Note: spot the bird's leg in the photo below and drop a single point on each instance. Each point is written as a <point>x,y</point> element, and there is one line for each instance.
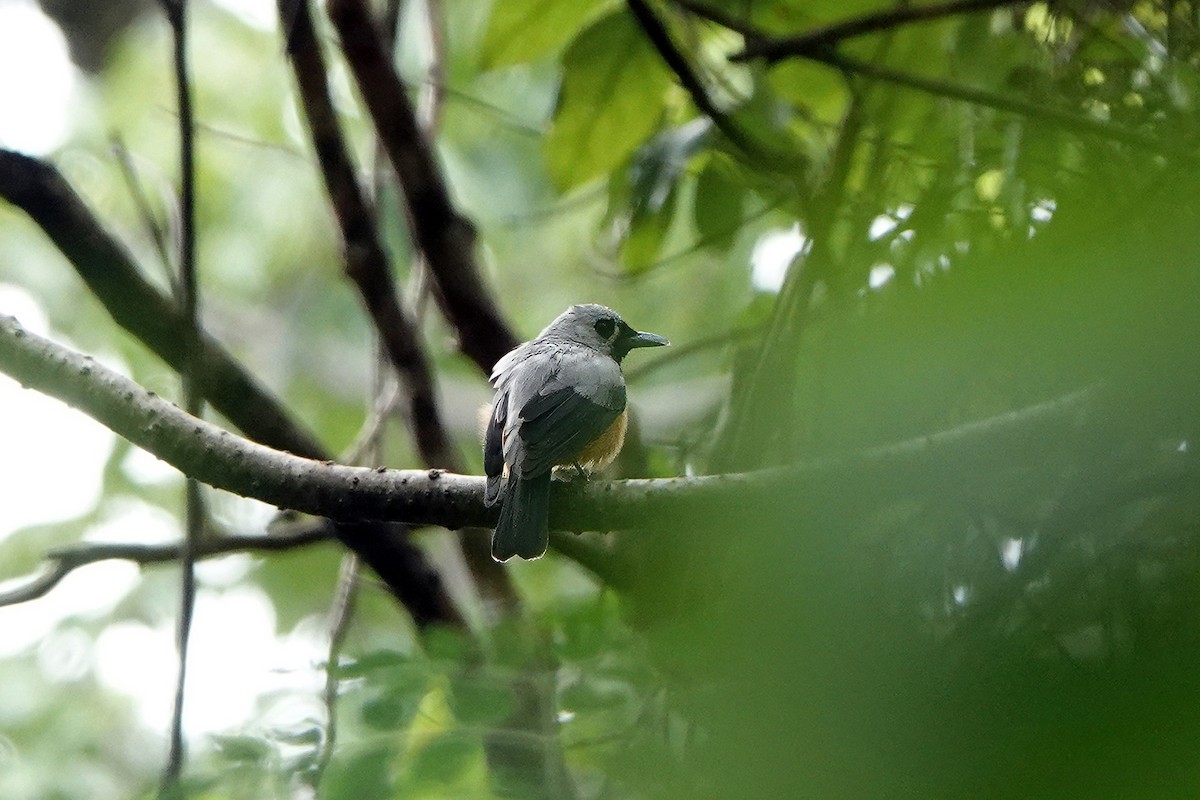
<point>580,474</point>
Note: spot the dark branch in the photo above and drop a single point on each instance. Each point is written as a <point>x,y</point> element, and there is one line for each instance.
<point>445,237</point>
<point>366,264</point>
<point>37,188</point>
<point>810,42</point>
<point>660,37</point>
<point>365,260</point>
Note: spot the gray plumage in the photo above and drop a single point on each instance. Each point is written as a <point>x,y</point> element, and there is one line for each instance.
<point>555,395</point>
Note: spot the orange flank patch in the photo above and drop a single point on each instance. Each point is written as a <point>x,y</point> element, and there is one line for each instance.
<point>601,451</point>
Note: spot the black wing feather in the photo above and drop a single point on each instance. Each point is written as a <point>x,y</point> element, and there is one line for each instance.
<point>556,426</point>
<point>493,450</point>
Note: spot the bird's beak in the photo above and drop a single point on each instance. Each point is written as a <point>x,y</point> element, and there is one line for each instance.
<point>643,339</point>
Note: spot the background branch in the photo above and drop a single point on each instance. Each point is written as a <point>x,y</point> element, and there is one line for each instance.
<point>365,260</point>
<point>660,37</point>
<point>176,12</point>
<point>810,42</point>
<point>68,559</point>
<point>38,189</point>
<point>366,265</point>
<point>445,237</point>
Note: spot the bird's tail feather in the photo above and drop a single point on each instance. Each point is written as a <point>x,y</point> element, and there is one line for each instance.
<point>524,526</point>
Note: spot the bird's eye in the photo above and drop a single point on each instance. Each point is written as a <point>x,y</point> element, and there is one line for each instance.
<point>605,327</point>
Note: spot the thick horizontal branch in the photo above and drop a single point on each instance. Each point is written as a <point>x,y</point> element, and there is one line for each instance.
<point>225,461</point>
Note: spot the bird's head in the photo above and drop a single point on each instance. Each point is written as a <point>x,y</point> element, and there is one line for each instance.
<point>601,329</point>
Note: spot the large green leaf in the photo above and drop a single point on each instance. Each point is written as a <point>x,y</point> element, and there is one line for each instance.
<point>611,100</point>
<point>523,30</point>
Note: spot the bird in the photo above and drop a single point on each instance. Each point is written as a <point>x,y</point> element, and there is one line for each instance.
<point>560,402</point>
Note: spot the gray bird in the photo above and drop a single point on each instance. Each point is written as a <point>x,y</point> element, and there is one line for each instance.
<point>560,402</point>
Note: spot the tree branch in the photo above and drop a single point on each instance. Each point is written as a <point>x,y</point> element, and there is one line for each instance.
<point>365,260</point>
<point>66,560</point>
<point>1001,102</point>
<point>366,265</point>
<point>445,237</point>
<point>660,37</point>
<point>176,12</point>
<point>819,45</point>
<point>811,42</point>
<point>220,459</point>
<point>37,188</point>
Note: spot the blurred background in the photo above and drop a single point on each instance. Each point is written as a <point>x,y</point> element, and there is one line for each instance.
<point>936,269</point>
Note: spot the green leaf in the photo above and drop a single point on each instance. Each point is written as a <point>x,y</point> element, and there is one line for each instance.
<point>244,749</point>
<point>371,662</point>
<point>643,199</point>
<point>366,775</point>
<point>611,100</point>
<point>479,700</point>
<point>386,712</point>
<point>524,30</point>
<point>443,759</point>
<point>720,199</point>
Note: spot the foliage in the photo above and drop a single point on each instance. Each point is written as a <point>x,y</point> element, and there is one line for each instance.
<point>998,211</point>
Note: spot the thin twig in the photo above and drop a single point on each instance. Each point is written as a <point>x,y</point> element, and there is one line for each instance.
<point>806,44</point>
<point>660,37</point>
<point>1001,102</point>
<point>176,13</point>
<point>445,236</point>
<point>154,230</point>
<point>341,614</point>
<point>66,560</point>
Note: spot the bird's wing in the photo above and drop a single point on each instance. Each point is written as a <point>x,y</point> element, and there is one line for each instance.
<point>493,448</point>
<point>555,427</point>
<point>579,393</point>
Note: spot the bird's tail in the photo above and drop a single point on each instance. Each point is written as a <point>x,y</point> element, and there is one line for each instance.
<point>524,526</point>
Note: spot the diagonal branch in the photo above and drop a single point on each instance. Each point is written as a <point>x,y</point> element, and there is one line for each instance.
<point>109,271</point>
<point>660,37</point>
<point>819,45</point>
<point>366,264</point>
<point>38,189</point>
<point>811,42</point>
<point>365,260</point>
<point>445,236</point>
